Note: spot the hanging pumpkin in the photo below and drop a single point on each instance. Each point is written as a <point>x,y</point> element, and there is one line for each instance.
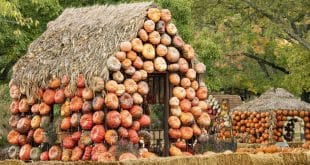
<point>35,121</point>
<point>24,153</point>
<point>68,142</point>
<point>118,77</point>
<point>173,54</point>
<point>138,63</point>
<point>144,120</point>
<point>177,41</point>
<point>190,93</point>
<point>136,111</point>
<point>77,153</point>
<point>131,55</point>
<point>154,38</point>
<point>130,86</point>
<point>76,104</point>
<point>133,136</point>
<point>171,29</point>
<point>137,45</point>
<point>183,65</point>
<point>54,83</point>
<point>148,51</point>
<point>23,125</point>
<point>174,122</point>
<point>122,132</point>
<point>174,133</point>
<point>126,118</point>
<point>98,103</point>
<point>23,105</point>
<point>154,14</point>
<point>49,96</point>
<point>185,105</point>
<point>111,137</point>
<point>165,15</point>
<point>14,107</point>
<point>173,67</point>
<point>143,35</point>
<point>86,121</point>
<point>121,56</point>
<point>75,119</point>
<point>97,133</point>
<point>179,92</point>
<point>202,93</point>
<point>135,125</point>
<point>186,133</point>
<point>191,74</point>
<point>187,118</point>
<point>185,82</point>
<point>160,64</point>
<point>148,66</point>
<point>44,109</point>
<point>127,156</point>
<point>125,46</point>
<point>113,119</point>
<point>12,137</point>
<point>98,117</point>
<point>148,26</point>
<point>65,123</point>
<point>59,96</point>
<point>126,101</point>
<point>111,101</point>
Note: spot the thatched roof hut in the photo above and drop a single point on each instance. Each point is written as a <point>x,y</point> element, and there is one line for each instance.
<point>79,41</point>
<point>274,99</point>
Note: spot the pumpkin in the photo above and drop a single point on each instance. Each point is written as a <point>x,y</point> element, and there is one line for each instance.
<point>99,148</point>
<point>75,119</point>
<point>187,118</point>
<point>97,84</point>
<point>23,125</point>
<point>135,125</point>
<point>85,139</point>
<point>154,14</point>
<point>165,40</point>
<point>161,50</point>
<point>121,56</point>
<point>132,55</point>
<point>185,105</point>
<point>14,120</point>
<point>111,101</point>
<point>171,29</point>
<point>154,38</point>
<point>59,96</point>
<point>174,79</point>
<point>65,109</point>
<point>44,156</point>
<point>111,137</point>
<point>130,71</point>
<point>130,86</point>
<point>165,15</point>
<point>68,93</point>
<point>97,103</point>
<point>185,82</point>
<point>35,108</point>
<point>65,123</point>
<point>125,46</point>
<point>122,132</point>
<point>31,100</point>
<point>174,133</point>
<point>174,122</point>
<point>87,153</point>
<point>24,153</point>
<point>118,76</point>
<point>188,51</point>
<point>137,45</point>
<point>181,145</point>
<point>203,105</point>
<point>87,94</point>
<point>126,101</point>
<point>127,156</point>
<point>30,136</point>
<point>76,136</point>
<point>186,133</point>
<point>120,89</point>
<point>14,107</point>
<point>195,85</point>
<point>174,151</point>
<point>177,41</point>
<point>126,63</point>
<point>143,74</point>
<point>173,54</point>
<point>35,121</point>
<point>126,118</point>
<point>148,26</point>
<point>204,120</point>
<point>113,119</point>
<point>66,154</point>
<point>68,142</point>
<point>200,68</point>
<point>45,121</point>
<point>143,35</point>
<point>13,137</point>
<point>137,76</point>
<point>173,67</point>
<point>76,104</point>
<point>86,121</point>
<point>136,111</point>
<point>179,92</point>
<point>106,157</point>
<point>190,93</point>
<point>148,66</point>
<point>79,92</point>
<point>54,83</point>
<point>133,136</point>
<point>44,109</point>
<point>202,93</point>
<point>174,102</point>
<point>160,64</point>
<point>22,140</point>
<point>23,105</point>
<point>138,63</point>
<point>183,65</point>
<point>148,51</point>
<point>144,120</point>
<point>77,154</point>
<point>191,74</point>
<point>196,111</point>
<point>143,88</point>
<point>49,96</point>
<point>176,111</point>
<point>97,133</point>
<point>98,117</point>
<point>111,86</point>
<point>15,92</point>
<point>160,27</point>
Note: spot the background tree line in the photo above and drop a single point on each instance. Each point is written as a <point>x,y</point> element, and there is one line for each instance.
<point>246,45</point>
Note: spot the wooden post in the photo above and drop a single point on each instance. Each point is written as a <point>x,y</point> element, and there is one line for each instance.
<point>166,115</point>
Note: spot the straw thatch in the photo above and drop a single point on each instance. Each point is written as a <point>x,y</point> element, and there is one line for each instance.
<point>274,99</point>
<point>79,41</point>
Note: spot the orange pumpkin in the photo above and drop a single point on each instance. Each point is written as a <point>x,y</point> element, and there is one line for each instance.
<point>44,156</point>
<point>54,83</point>
<point>127,156</point>
<point>137,76</point>
<point>68,93</point>
<point>65,80</point>
<point>143,74</point>
<point>131,55</point>
<point>174,79</point>
<point>160,64</point>
<point>106,157</point>
<point>177,41</point>
<point>133,136</point>
<point>111,137</point>
<point>190,93</point>
<point>171,29</point>
<point>66,154</point>
<point>14,107</point>
<point>185,105</point>
<point>76,104</point>
<point>138,63</point>
<point>174,151</point>
<point>59,96</point>
<point>183,65</point>
<point>185,82</point>
<point>126,101</point>
<point>23,125</point>
<point>120,89</point>
<point>79,92</point>
<point>98,149</point>
<point>98,117</point>
<point>136,111</point>
<point>87,153</point>
<point>174,133</point>
<point>44,109</point>
<point>144,120</point>
<point>148,66</point>
<point>87,94</point>
<point>176,111</point>
<point>12,137</point>
<point>68,142</point>
<point>191,74</point>
<point>135,125</point>
<point>118,76</point>
<point>179,92</point>
<point>188,51</point>
<point>200,68</point>
<point>15,92</point>
<point>181,145</point>
<point>204,120</point>
<point>187,118</point>
<point>154,38</point>
<point>76,136</point>
<point>173,67</point>
<point>24,153</point>
<point>161,50</point>
<point>143,35</point>
<point>196,111</point>
<point>121,56</point>
<point>65,123</point>
<point>196,130</point>
<point>98,103</point>
<point>85,140</point>
<point>202,93</point>
<point>86,121</point>
<point>126,63</point>
<point>113,119</point>
<point>173,54</point>
<point>14,120</point>
<point>77,154</point>
<point>148,51</point>
<point>130,86</point>
<point>165,15</point>
<point>174,122</point>
<point>137,45</point>
<point>125,46</point>
<point>49,96</point>
<point>65,109</point>
<point>23,105</point>
<point>126,118</point>
<point>111,101</point>
<point>123,133</point>
<point>149,26</point>
<point>154,14</point>
<point>143,88</point>
<point>97,133</point>
<point>195,85</point>
<point>186,133</point>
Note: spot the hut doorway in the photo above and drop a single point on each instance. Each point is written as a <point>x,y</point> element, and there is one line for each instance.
<point>293,130</point>
<point>155,104</point>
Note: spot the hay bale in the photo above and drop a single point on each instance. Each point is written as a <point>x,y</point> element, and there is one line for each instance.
<point>294,158</point>
<point>266,159</point>
<point>12,162</point>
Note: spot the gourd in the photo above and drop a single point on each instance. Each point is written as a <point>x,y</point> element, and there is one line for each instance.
<point>86,121</point>
<point>97,133</point>
<point>113,119</point>
<point>174,122</point>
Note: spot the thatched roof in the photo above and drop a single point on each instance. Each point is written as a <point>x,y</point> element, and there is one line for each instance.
<point>79,41</point>
<point>274,99</point>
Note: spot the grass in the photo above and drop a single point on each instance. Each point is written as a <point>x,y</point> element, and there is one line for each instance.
<point>4,113</point>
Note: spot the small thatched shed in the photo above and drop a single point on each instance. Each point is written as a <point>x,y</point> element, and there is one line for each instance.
<point>276,115</point>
